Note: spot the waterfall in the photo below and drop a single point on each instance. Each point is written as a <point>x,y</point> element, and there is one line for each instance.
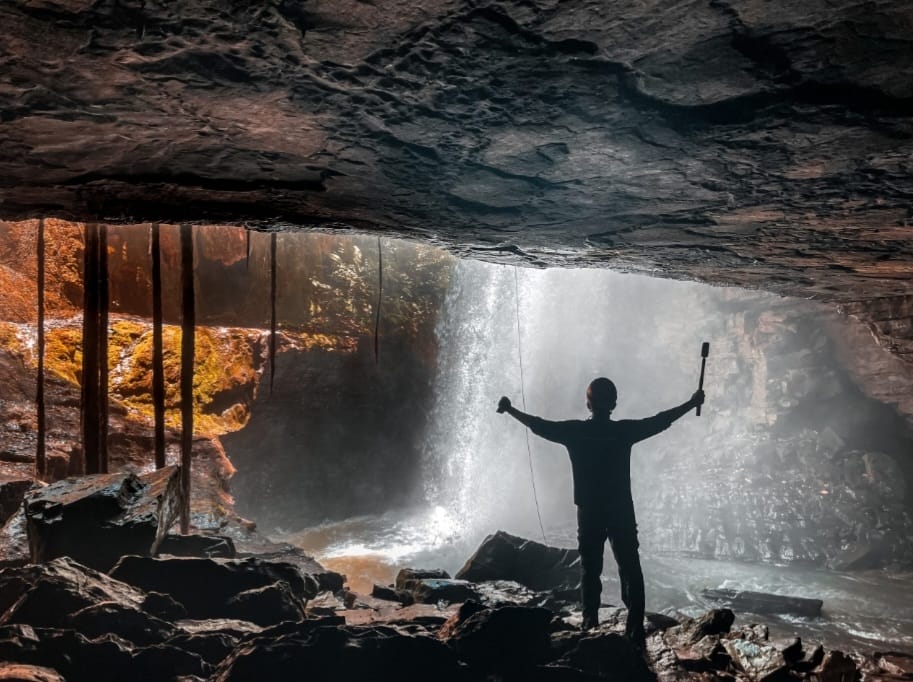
<point>575,325</point>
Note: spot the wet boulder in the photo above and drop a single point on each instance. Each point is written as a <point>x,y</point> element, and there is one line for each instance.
<point>326,652</point>
<point>249,543</point>
<point>76,657</point>
<point>745,601</point>
<point>198,545</point>
<point>609,656</point>
<point>408,577</point>
<point>97,519</point>
<point>539,567</point>
<point>205,587</point>
<point>506,638</point>
<point>389,593</point>
<point>163,606</point>
<point>127,622</point>
<point>432,591</point>
<point>893,665</point>
<point>46,594</point>
<point>760,661</point>
<point>693,630</point>
<point>266,605</point>
<point>836,667</point>
<point>14,541</point>
<point>12,492</point>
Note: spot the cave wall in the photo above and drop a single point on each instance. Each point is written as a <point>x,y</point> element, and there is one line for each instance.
<point>800,464</point>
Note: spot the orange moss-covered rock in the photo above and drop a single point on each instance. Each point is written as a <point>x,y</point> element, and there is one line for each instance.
<point>225,374</point>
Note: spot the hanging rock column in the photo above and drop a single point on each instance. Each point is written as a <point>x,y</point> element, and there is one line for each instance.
<point>188,328</point>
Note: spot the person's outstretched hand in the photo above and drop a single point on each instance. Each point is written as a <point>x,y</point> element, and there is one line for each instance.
<point>698,398</point>
<point>503,404</point>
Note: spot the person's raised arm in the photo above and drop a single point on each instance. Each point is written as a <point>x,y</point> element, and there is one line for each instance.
<point>662,421</point>
<point>553,431</point>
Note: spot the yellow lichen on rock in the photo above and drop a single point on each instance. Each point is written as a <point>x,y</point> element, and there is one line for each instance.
<point>224,375</point>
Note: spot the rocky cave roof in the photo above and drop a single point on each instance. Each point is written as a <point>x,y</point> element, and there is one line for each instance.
<point>763,143</point>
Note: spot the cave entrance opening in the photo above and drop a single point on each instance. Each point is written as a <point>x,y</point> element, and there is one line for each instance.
<point>378,461</point>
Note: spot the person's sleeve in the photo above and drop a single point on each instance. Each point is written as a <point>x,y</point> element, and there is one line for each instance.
<point>557,432</point>
<point>641,429</point>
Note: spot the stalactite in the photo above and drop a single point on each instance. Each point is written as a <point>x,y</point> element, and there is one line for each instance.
<point>89,418</point>
<point>158,357</point>
<point>247,234</point>
<point>188,329</point>
<point>41,449</point>
<point>380,293</point>
<point>272,310</point>
<point>103,348</point>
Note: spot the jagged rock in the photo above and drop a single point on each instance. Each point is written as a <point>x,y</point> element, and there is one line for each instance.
<point>205,586</point>
<point>659,622</point>
<point>14,541</point>
<point>503,638</point>
<point>714,622</point>
<point>97,519</point>
<point>19,672</point>
<point>764,603</point>
<point>322,652</point>
<point>793,653</point>
<point>898,665</point>
<point>466,609</point>
<point>391,594</point>
<point>45,594</point>
<point>760,662</point>
<point>12,492</point>
<point>501,592</point>
<point>163,606</point>
<point>837,667</point>
<point>165,662</point>
<point>266,605</point>
<point>212,647</point>
<point>196,545</point>
<point>250,544</point>
<point>432,591</point>
<point>507,557</point>
<point>610,656</point>
<point>77,658</point>
<point>406,577</point>
<point>130,623</point>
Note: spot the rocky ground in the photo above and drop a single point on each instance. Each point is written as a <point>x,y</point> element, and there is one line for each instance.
<point>215,608</point>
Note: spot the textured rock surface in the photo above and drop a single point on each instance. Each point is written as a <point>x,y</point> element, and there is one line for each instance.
<point>97,519</point>
<point>758,143</point>
<point>208,588</point>
<point>503,556</point>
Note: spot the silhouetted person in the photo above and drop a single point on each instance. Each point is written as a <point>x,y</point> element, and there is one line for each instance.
<point>600,451</point>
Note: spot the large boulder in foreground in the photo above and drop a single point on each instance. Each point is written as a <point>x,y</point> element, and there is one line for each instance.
<point>45,595</point>
<point>327,652</point>
<point>212,588</point>
<point>503,556</point>
<point>99,518</point>
<point>507,638</point>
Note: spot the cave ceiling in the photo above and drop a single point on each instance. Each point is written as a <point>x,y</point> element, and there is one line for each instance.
<point>763,143</point>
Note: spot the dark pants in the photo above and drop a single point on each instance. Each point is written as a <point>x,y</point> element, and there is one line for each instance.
<point>593,529</point>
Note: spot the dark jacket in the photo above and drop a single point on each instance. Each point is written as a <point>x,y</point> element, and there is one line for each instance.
<point>600,454</point>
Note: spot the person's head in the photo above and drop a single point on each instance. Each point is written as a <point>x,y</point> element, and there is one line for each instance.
<point>601,396</point>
